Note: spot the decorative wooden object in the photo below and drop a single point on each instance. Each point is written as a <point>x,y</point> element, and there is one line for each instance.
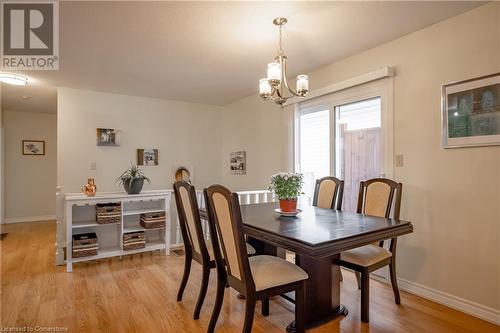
<point>108,213</point>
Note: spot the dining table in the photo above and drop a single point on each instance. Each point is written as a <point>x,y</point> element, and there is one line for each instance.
<point>317,236</point>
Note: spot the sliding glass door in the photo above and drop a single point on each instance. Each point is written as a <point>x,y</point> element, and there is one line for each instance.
<point>346,135</point>
<point>357,146</point>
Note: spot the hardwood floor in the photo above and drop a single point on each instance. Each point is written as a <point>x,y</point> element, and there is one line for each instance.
<point>138,294</point>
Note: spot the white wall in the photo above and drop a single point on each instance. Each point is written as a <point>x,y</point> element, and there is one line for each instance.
<point>185,134</point>
<point>30,181</point>
<point>451,196</point>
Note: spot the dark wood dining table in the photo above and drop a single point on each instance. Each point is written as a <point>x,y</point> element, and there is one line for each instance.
<point>317,236</point>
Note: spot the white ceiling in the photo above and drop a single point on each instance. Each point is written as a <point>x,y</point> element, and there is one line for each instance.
<point>211,52</point>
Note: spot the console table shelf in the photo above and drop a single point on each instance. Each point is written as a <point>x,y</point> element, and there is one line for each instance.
<point>80,217</point>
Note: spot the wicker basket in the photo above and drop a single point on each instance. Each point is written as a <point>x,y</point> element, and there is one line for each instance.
<point>108,213</point>
<point>153,220</point>
<point>84,245</point>
<point>134,240</point>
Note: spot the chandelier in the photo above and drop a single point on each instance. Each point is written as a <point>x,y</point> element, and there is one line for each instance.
<point>275,86</point>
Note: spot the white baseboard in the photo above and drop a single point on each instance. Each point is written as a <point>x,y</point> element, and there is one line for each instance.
<point>30,219</point>
<point>457,303</point>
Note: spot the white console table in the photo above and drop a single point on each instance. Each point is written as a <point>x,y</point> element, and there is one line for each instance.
<point>80,217</point>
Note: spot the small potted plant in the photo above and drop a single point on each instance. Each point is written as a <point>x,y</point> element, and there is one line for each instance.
<point>133,180</point>
<point>287,187</point>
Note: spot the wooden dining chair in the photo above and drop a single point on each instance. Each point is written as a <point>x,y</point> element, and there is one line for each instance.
<point>375,198</point>
<point>328,193</point>
<point>195,246</point>
<point>258,277</point>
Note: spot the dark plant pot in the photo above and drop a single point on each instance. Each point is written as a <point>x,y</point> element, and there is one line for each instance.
<point>134,187</point>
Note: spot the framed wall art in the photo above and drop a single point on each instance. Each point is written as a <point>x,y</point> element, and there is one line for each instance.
<point>470,112</point>
<point>107,137</point>
<point>147,157</point>
<point>33,147</point>
<point>238,163</point>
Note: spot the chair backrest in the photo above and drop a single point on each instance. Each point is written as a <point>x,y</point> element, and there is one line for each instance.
<point>226,226</point>
<point>328,193</point>
<point>189,220</point>
<point>376,197</point>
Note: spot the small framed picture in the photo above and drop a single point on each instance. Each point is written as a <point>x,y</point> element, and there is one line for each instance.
<point>33,147</point>
<point>147,157</point>
<point>238,163</point>
<point>106,137</point>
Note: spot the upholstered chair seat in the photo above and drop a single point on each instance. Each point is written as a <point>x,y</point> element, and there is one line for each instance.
<point>366,255</point>
<point>269,271</point>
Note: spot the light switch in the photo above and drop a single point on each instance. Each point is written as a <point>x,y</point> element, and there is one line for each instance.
<point>399,160</point>
<point>93,166</point>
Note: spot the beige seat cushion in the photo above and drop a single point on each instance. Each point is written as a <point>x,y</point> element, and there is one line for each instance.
<point>366,255</point>
<point>268,272</point>
<point>250,250</point>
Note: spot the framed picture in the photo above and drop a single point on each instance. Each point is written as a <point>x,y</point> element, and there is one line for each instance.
<point>470,112</point>
<point>238,163</point>
<point>33,147</point>
<point>147,157</point>
<point>106,137</point>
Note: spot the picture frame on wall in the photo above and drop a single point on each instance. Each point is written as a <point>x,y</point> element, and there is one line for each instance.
<point>470,112</point>
<point>147,157</point>
<point>33,147</point>
<point>107,137</point>
<point>238,163</point>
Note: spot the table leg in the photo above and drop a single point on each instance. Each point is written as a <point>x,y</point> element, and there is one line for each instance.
<point>322,291</point>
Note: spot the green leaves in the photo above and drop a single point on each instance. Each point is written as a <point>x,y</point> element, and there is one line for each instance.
<point>286,185</point>
<point>134,172</point>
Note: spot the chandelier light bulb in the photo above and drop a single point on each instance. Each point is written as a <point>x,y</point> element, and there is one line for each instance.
<point>274,73</point>
<point>264,88</point>
<point>302,84</point>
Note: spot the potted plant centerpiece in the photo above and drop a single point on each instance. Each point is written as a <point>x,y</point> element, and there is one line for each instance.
<point>133,180</point>
<point>287,187</point>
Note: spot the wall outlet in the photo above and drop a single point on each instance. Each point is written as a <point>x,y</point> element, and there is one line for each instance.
<point>399,160</point>
<point>93,166</point>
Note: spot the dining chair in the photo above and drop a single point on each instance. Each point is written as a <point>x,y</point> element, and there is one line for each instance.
<point>375,198</point>
<point>328,193</point>
<point>195,246</point>
<point>258,277</point>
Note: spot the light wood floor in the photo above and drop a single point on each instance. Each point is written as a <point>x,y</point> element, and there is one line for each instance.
<point>137,294</point>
